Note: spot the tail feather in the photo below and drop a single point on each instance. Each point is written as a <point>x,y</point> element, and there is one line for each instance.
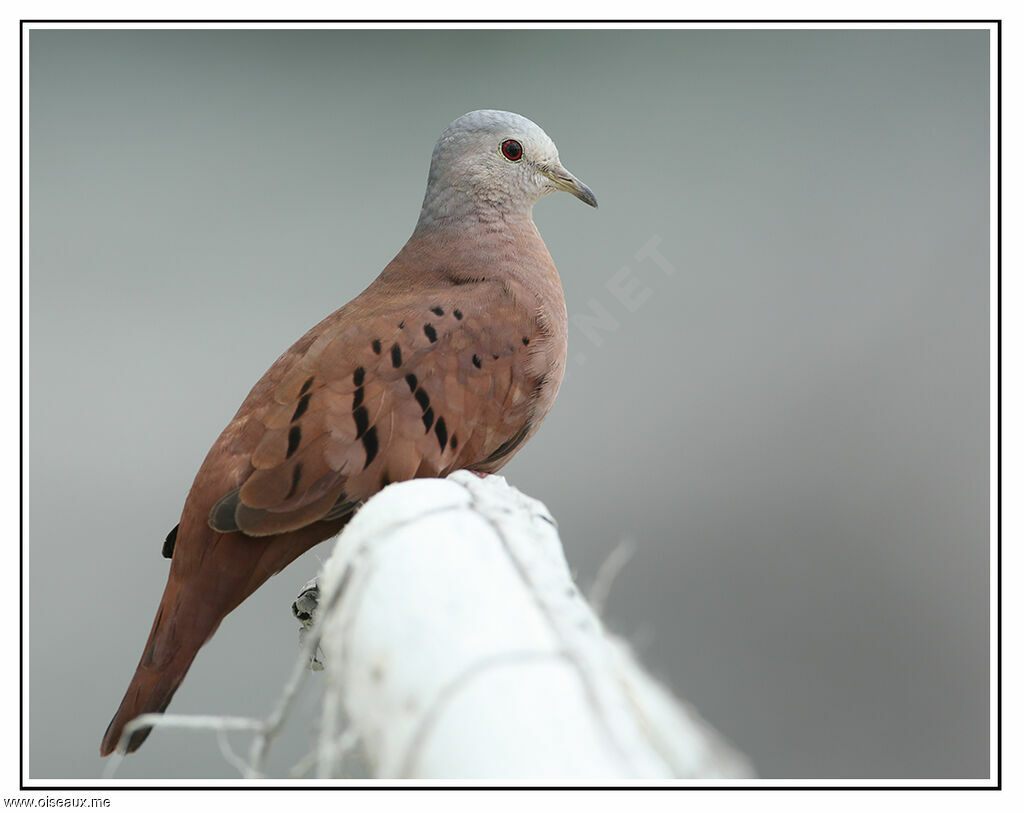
<point>211,574</point>
<point>149,692</point>
<point>166,659</point>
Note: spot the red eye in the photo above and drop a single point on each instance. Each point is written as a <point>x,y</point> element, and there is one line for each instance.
<point>512,149</point>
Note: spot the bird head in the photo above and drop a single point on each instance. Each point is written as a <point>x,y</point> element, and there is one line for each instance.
<point>491,162</point>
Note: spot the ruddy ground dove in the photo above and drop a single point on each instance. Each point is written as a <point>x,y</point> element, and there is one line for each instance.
<point>450,359</point>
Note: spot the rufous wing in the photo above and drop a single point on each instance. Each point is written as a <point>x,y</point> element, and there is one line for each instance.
<point>428,384</point>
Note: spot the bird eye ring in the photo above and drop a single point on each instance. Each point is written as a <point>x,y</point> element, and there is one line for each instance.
<point>512,149</point>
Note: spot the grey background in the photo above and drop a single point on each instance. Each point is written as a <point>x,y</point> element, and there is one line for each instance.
<point>792,427</point>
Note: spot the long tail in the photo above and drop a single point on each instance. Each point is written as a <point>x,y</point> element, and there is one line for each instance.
<point>173,642</point>
<point>211,574</point>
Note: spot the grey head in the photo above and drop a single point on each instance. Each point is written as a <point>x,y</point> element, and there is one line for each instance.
<point>493,165</point>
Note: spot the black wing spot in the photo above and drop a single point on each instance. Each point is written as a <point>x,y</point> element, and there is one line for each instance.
<point>423,399</point>
<point>294,439</point>
<point>303,405</point>
<point>362,418</point>
<point>306,386</point>
<point>442,433</point>
<point>357,399</point>
<point>428,418</point>
<point>438,310</point>
<point>457,313</point>
<point>172,537</point>
<point>370,445</point>
<point>296,476</point>
<point>358,376</point>
<point>476,361</point>
<point>411,380</point>
<point>495,356</point>
<point>526,340</point>
<point>431,333</point>
<point>396,355</point>
<point>455,442</point>
<point>376,346</point>
<point>401,325</point>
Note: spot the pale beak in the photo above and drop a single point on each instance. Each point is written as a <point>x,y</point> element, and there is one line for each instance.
<point>567,182</point>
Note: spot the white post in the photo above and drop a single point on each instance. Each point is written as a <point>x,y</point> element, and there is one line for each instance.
<point>456,646</point>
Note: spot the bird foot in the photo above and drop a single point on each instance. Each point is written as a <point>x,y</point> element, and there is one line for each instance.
<point>304,608</point>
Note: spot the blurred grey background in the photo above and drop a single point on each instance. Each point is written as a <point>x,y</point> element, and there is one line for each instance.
<point>782,400</point>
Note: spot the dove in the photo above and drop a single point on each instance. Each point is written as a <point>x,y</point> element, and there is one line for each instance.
<point>449,360</point>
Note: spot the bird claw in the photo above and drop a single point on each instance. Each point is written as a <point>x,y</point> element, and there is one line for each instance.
<point>304,608</point>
